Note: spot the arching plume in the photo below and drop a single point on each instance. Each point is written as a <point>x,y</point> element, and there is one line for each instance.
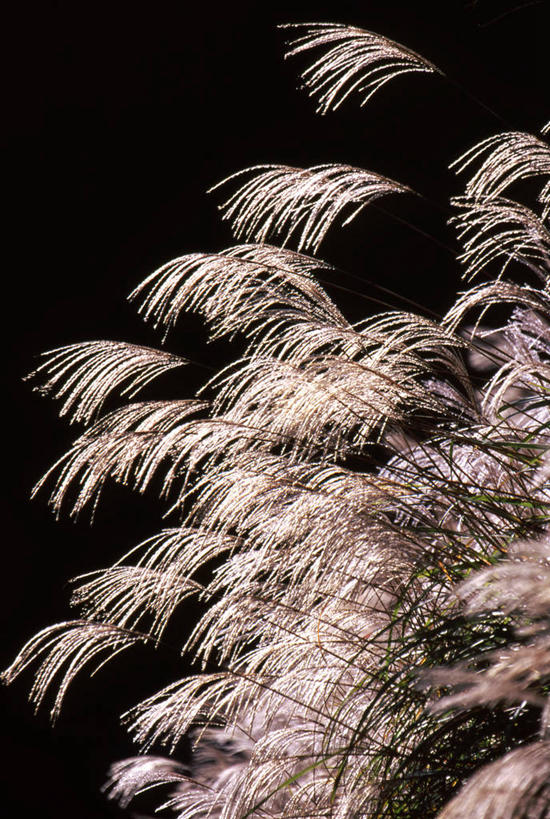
<point>355,62</point>
<point>282,201</point>
<point>505,159</point>
<point>496,229</point>
<point>84,374</point>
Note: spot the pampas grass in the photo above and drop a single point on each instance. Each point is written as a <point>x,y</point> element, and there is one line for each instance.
<point>361,508</point>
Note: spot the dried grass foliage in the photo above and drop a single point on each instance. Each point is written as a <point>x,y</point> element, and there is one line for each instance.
<point>382,633</point>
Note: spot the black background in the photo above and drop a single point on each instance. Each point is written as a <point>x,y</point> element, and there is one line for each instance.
<point>120,118</point>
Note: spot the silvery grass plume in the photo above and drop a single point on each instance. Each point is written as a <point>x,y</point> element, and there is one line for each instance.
<point>363,509</point>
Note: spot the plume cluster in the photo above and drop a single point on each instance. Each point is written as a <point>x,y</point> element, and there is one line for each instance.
<point>363,509</point>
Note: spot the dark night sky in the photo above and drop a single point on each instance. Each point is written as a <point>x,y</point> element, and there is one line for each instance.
<point>123,115</point>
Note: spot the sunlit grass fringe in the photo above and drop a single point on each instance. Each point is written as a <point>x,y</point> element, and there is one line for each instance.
<point>378,617</point>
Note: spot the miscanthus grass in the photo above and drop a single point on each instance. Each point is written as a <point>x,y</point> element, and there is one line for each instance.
<point>369,503</point>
